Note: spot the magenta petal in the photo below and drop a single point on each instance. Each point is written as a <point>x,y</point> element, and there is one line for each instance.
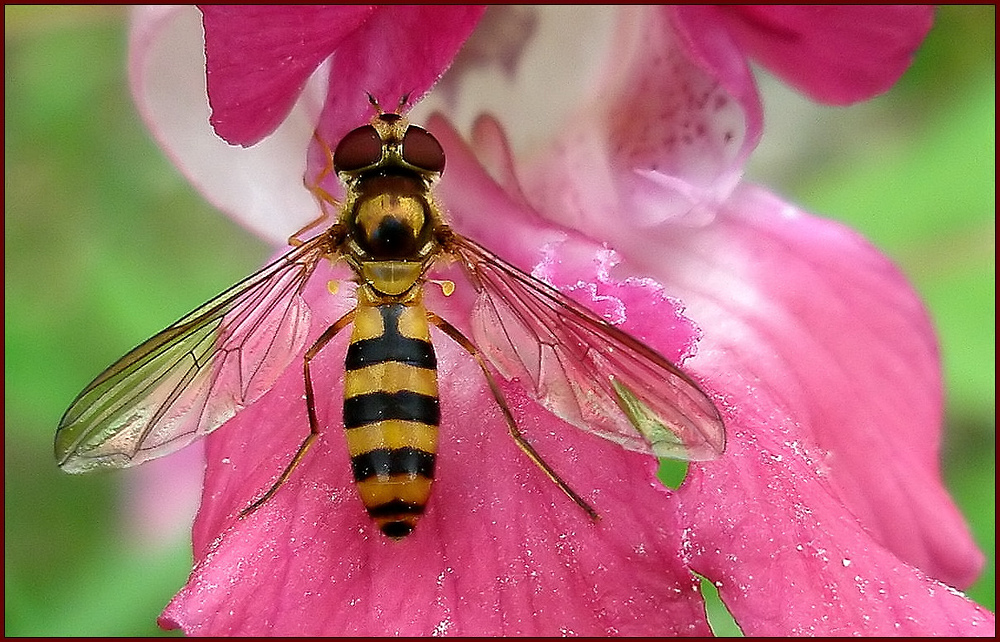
<point>500,550</point>
<point>768,527</point>
<point>258,59</point>
<point>830,481</point>
<point>835,54</point>
<point>832,331</point>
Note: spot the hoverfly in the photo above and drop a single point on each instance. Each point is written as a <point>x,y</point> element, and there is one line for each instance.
<point>186,381</point>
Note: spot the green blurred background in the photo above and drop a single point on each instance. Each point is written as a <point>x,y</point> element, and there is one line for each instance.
<point>105,244</point>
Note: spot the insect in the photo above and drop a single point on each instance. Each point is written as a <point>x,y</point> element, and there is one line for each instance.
<point>186,381</point>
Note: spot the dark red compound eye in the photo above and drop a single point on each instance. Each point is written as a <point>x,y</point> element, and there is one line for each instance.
<point>422,150</point>
<point>360,148</point>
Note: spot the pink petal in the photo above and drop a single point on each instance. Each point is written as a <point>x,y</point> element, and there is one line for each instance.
<point>835,54</point>
<point>818,314</point>
<point>800,315</point>
<point>664,137</point>
<point>258,59</point>
<point>821,316</point>
<point>814,314</point>
<point>768,527</point>
<point>500,551</point>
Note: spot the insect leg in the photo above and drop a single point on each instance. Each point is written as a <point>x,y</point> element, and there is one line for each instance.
<point>295,240</point>
<point>515,433</point>
<point>325,199</point>
<point>320,343</point>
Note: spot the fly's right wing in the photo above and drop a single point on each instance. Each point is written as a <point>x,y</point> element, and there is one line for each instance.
<point>582,368</point>
<point>190,378</point>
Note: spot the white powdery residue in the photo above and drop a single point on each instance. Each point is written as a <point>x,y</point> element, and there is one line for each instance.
<point>616,312</point>
<point>442,628</point>
<point>543,270</point>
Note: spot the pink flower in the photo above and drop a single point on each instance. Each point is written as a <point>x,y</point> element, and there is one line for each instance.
<point>825,516</point>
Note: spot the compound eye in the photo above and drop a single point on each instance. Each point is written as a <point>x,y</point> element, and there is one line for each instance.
<point>422,150</point>
<point>360,148</point>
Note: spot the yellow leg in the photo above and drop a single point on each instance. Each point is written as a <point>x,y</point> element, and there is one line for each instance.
<point>295,239</point>
<point>326,200</point>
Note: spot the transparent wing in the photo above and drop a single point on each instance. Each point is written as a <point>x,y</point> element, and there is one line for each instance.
<point>583,369</point>
<point>190,378</point>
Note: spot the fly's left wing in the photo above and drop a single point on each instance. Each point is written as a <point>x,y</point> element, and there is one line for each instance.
<point>190,378</point>
<point>583,369</point>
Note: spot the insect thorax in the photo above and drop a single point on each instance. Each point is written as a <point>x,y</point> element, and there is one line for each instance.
<point>391,219</point>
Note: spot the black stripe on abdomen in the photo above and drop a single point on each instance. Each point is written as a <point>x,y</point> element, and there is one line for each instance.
<point>378,406</point>
<point>384,462</point>
<point>396,508</point>
<point>391,345</point>
<point>414,352</point>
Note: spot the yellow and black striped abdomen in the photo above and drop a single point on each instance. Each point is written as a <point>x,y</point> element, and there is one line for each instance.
<point>391,412</point>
